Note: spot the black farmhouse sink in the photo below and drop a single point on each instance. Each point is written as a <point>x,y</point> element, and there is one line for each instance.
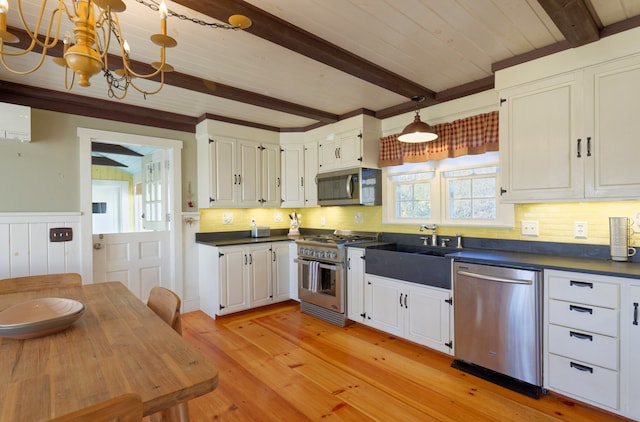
<point>418,264</point>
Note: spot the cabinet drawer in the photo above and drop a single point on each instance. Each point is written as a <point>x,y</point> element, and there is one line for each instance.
<point>584,317</point>
<point>582,380</point>
<point>584,346</point>
<point>583,290</point>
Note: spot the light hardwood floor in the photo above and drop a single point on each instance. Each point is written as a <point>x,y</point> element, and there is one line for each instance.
<point>277,364</point>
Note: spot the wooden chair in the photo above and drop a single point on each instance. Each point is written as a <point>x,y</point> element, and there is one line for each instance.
<point>166,304</point>
<point>37,282</point>
<point>124,408</point>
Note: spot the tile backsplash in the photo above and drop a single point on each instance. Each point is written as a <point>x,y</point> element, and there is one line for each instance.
<point>555,221</point>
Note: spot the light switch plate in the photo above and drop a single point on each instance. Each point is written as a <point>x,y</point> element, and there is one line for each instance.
<point>227,218</point>
<point>580,229</point>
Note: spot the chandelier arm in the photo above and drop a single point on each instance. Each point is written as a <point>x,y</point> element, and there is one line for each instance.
<point>34,34</point>
<point>143,92</point>
<point>22,72</point>
<point>68,86</point>
<point>105,16</point>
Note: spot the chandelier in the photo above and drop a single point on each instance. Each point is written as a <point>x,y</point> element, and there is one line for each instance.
<point>95,27</point>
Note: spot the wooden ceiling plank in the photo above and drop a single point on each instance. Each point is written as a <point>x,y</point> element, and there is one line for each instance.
<point>573,18</point>
<point>285,34</point>
<point>192,83</point>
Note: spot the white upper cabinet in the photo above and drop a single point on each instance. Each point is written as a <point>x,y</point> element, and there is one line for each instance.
<point>299,171</point>
<point>351,148</point>
<point>237,172</point>
<point>571,136</point>
<point>292,175</point>
<point>310,174</point>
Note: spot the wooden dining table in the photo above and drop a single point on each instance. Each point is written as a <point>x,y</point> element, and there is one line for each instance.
<point>117,346</point>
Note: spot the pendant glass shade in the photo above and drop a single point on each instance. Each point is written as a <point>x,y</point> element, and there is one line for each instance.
<point>417,131</point>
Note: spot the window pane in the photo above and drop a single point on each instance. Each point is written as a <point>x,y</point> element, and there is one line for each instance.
<point>484,209</point>
<point>461,209</point>
<point>484,188</point>
<point>413,200</point>
<point>460,188</point>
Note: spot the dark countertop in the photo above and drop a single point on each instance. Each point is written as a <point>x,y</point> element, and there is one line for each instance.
<point>246,240</point>
<point>539,261</point>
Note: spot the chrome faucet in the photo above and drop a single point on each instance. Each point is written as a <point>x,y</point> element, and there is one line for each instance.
<point>434,233</point>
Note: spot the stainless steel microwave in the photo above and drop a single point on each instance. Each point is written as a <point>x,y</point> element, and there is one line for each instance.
<point>359,186</point>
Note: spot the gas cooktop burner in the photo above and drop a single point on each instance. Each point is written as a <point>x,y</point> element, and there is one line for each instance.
<point>341,237</point>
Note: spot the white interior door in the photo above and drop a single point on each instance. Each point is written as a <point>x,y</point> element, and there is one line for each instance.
<point>139,259</point>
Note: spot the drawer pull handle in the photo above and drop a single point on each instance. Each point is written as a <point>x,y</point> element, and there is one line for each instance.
<point>582,368</point>
<point>580,309</point>
<point>580,336</point>
<point>581,284</point>
<point>635,313</point>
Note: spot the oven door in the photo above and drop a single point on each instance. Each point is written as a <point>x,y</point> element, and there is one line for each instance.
<point>329,289</point>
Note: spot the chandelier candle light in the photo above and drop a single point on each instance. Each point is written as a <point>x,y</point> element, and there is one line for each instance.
<point>95,24</point>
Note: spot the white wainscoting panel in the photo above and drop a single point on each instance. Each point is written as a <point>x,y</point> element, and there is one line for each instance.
<point>25,248</point>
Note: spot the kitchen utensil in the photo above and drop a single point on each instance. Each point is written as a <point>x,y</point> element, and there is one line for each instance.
<point>619,232</point>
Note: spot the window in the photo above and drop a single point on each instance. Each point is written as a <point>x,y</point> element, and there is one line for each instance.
<point>464,191</point>
<point>411,191</point>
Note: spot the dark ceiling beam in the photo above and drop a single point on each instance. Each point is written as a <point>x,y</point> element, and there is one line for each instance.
<point>204,86</point>
<point>574,19</point>
<point>285,34</point>
<point>64,102</point>
<point>609,30</point>
<point>113,149</point>
<point>105,161</point>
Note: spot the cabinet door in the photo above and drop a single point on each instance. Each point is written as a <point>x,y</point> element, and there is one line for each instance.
<point>293,271</point>
<point>429,321</point>
<point>249,173</point>
<point>223,172</point>
<point>355,284</point>
<point>327,155</point>
<point>631,319</point>
<point>310,174</point>
<point>612,100</point>
<point>385,303</point>
<point>292,176</point>
<point>270,163</point>
<point>538,141</point>
<point>234,294</point>
<point>280,271</point>
<point>350,150</point>
<point>259,267</point>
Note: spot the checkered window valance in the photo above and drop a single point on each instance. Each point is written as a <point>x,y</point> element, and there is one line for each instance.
<point>472,135</point>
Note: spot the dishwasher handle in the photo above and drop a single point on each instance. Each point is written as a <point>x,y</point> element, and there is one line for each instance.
<point>494,278</point>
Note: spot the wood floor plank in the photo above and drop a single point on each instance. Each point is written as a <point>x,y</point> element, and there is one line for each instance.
<point>276,363</point>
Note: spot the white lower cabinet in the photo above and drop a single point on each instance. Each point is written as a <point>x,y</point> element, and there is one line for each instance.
<point>631,348</point>
<point>236,278</point>
<point>583,344</point>
<point>355,284</point>
<point>418,313</point>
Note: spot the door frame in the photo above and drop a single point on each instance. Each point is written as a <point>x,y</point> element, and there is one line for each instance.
<point>174,155</point>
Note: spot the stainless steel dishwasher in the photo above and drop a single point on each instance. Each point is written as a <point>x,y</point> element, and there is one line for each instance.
<point>498,324</point>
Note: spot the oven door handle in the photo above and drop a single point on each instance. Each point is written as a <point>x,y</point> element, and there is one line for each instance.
<point>334,267</point>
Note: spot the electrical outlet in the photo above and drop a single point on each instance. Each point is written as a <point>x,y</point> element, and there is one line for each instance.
<point>529,228</point>
<point>580,229</point>
<point>277,217</point>
<point>227,218</point>
<point>323,221</point>
<point>359,218</point>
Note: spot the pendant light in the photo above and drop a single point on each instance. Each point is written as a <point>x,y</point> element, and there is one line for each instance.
<point>417,131</point>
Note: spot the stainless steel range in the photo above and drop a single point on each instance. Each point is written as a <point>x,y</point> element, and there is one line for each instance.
<point>322,287</point>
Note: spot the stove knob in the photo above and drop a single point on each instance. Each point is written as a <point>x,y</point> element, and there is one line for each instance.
<point>333,255</point>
